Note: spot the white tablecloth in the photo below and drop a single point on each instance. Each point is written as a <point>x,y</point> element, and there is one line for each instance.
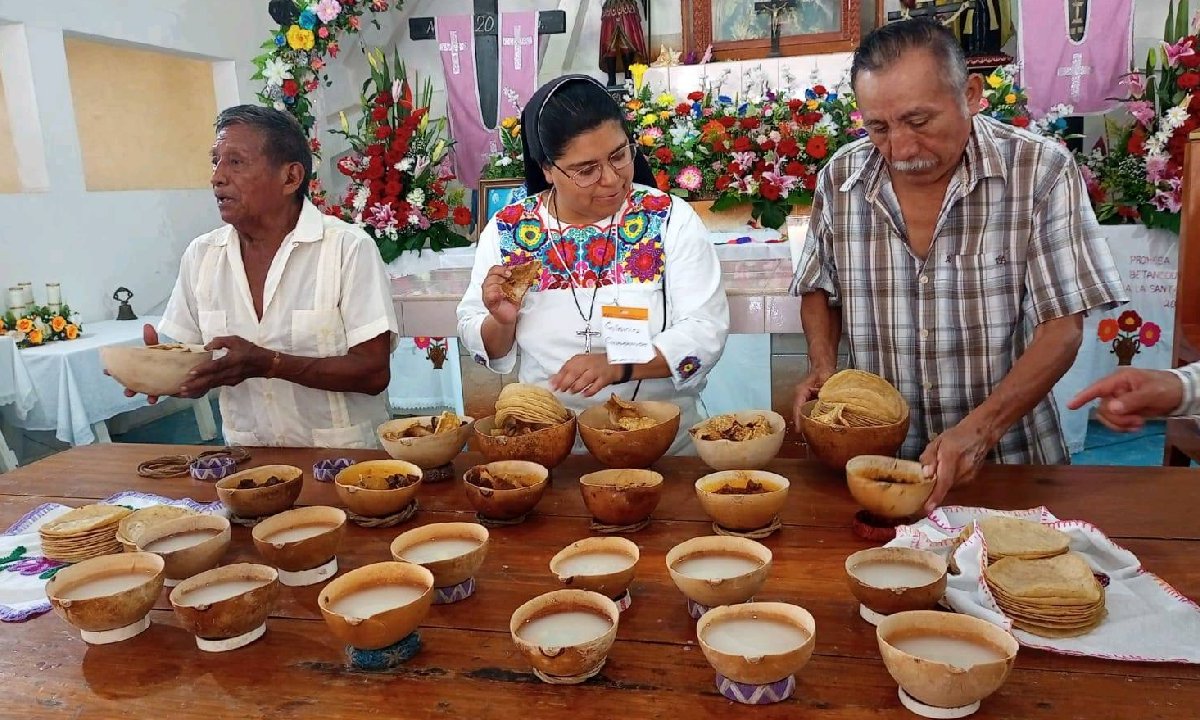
<point>1149,262</point>
<point>16,388</point>
<point>70,390</point>
<point>418,387</point>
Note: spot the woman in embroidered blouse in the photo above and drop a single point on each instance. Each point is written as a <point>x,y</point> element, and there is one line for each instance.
<point>604,237</point>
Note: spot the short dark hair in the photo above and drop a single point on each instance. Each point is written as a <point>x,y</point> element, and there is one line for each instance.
<point>575,108</point>
<point>886,44</point>
<point>284,141</point>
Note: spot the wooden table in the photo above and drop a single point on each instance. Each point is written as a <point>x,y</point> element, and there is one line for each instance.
<point>468,667</point>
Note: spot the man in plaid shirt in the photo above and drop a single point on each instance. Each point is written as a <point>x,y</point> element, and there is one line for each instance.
<point>957,254</point>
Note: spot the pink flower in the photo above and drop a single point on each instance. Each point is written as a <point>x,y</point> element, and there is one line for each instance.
<point>690,178</point>
<point>984,104</point>
<point>317,63</point>
<point>1135,84</point>
<point>1142,111</point>
<point>1150,334</point>
<point>745,159</point>
<point>327,10</point>
<point>1183,48</point>
<point>382,216</point>
<point>354,22</point>
<point>786,183</point>
<point>1167,200</point>
<point>322,32</point>
<point>1156,168</point>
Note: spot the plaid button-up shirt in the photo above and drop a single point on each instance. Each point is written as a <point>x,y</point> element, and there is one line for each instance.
<point>1016,244</point>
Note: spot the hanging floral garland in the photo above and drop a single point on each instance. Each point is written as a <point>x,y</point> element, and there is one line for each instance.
<point>293,64</point>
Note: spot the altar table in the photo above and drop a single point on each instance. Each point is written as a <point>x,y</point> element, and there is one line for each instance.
<point>468,667</point>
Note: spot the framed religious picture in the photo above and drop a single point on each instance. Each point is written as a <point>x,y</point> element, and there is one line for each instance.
<point>495,195</point>
<point>749,29</point>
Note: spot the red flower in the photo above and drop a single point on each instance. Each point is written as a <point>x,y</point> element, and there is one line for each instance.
<point>750,123</point>
<point>696,96</point>
<point>723,182</point>
<point>383,132</point>
<point>820,89</point>
<point>563,256</point>
<point>812,118</point>
<point>683,109</point>
<point>817,147</point>
<point>462,216</point>
<point>788,147</point>
<point>509,215</point>
<point>742,144</point>
<point>770,191</point>
<point>1188,81</point>
<point>657,203</point>
<point>1190,62</point>
<point>1137,142</point>
<point>422,343</point>
<point>314,145</point>
<point>1107,330</point>
<point>291,88</point>
<point>726,121</point>
<point>437,210</point>
<point>664,155</point>
<point>662,180</point>
<point>1021,121</point>
<point>600,251</point>
<point>392,190</point>
<point>311,85</point>
<point>810,182</point>
<point>379,113</point>
<point>795,168</point>
<point>767,145</point>
<point>1129,321</point>
<point>1150,335</point>
<point>1129,212</point>
<point>332,48</point>
<point>795,104</point>
<point>375,150</point>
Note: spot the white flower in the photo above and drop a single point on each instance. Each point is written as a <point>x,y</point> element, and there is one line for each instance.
<point>278,105</point>
<point>361,196</point>
<point>416,197</point>
<point>276,71</point>
<point>404,165</point>
<point>1154,146</point>
<point>1177,116</point>
<point>506,161</point>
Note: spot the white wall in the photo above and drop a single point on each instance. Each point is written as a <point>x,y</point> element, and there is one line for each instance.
<point>93,242</point>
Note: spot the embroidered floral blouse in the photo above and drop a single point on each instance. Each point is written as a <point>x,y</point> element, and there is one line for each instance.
<point>620,260</point>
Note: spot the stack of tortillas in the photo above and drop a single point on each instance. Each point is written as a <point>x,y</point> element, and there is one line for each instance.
<point>83,533</point>
<point>528,407</point>
<point>1038,584</point>
<point>131,527</point>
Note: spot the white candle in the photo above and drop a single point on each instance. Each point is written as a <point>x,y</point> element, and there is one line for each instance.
<point>26,292</point>
<point>53,294</point>
<point>16,297</point>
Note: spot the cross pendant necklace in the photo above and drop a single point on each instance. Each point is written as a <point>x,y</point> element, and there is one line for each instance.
<point>587,333</point>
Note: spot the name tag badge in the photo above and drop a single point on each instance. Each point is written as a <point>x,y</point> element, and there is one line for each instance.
<point>627,334</point>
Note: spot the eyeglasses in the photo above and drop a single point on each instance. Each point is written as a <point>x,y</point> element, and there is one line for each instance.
<point>589,175</point>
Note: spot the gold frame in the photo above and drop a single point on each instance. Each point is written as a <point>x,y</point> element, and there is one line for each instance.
<point>698,34</point>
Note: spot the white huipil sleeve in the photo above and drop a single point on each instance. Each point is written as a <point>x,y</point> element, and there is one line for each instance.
<point>471,310</point>
<point>698,311</point>
<point>180,320</point>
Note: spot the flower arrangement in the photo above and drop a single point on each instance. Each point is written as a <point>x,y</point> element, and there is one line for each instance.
<point>40,324</point>
<point>309,31</point>
<point>765,152</point>
<point>1128,335</point>
<point>293,63</point>
<point>509,161</point>
<point>401,187</point>
<point>1137,176</point>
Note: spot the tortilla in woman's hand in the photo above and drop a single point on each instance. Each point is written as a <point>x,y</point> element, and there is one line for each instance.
<point>521,278</point>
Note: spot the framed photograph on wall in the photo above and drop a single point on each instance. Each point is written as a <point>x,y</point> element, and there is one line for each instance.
<point>741,30</point>
<point>494,195</point>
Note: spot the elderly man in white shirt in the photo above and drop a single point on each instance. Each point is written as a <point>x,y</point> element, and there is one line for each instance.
<point>1130,396</point>
<point>299,302</point>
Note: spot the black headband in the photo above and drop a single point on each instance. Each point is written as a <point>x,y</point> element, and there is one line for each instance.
<point>531,127</point>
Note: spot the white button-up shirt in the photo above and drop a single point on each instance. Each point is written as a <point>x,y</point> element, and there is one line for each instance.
<point>326,291</point>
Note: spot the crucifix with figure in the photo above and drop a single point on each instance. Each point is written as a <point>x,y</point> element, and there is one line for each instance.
<point>775,9</point>
<point>487,47</point>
